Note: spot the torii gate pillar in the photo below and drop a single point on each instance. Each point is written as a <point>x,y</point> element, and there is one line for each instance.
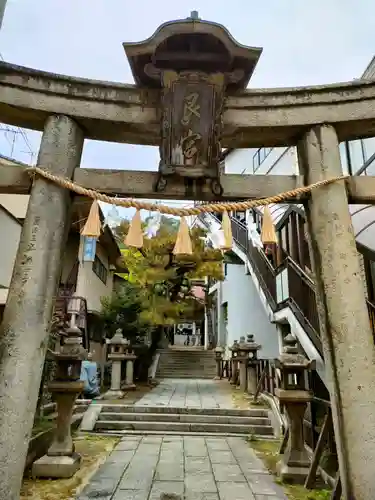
<point>25,326</point>
<point>344,323</point>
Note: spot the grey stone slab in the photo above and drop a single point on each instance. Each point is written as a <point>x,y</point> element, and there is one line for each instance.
<point>131,495</point>
<point>250,468</point>
<point>217,444</point>
<point>173,439</point>
<point>148,449</point>
<point>100,497</point>
<point>166,487</point>
<point>152,440</point>
<point>140,462</point>
<point>195,451</point>
<point>228,472</point>
<point>172,457</point>
<point>200,483</point>
<point>235,491</point>
<point>169,471</point>
<point>222,457</point>
<point>120,457</point>
<point>264,485</point>
<point>197,465</point>
<point>110,471</point>
<point>201,496</point>
<point>168,450</point>
<point>138,476</point>
<point>127,445</point>
<point>270,497</point>
<point>194,441</point>
<point>99,489</point>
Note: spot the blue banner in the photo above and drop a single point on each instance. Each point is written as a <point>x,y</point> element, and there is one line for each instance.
<point>89,249</point>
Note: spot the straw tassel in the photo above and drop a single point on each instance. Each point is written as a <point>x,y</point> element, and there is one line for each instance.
<point>268,234</point>
<point>183,244</point>
<point>134,238</point>
<point>227,230</point>
<point>93,226</point>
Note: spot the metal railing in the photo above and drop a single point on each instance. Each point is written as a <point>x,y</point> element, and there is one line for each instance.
<point>301,296</point>
<point>262,266</point>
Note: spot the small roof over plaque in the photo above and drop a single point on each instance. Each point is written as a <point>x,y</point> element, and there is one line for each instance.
<point>192,44</point>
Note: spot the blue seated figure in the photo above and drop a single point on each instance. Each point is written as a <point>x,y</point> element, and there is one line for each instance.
<point>89,375</point>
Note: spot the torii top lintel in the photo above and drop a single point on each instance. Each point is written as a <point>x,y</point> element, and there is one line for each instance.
<point>192,44</point>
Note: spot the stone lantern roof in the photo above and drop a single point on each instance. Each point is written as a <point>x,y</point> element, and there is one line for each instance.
<point>192,44</point>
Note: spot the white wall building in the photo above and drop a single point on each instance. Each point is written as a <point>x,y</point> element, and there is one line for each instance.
<point>242,306</point>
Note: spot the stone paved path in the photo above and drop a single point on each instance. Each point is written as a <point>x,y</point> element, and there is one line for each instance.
<point>181,393</point>
<point>192,468</point>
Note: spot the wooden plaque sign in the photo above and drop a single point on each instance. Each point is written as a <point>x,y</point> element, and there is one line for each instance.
<point>192,104</point>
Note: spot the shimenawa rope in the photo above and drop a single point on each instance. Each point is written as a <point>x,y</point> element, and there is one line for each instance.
<point>181,212</point>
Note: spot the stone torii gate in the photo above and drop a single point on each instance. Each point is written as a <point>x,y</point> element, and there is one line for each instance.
<point>186,64</point>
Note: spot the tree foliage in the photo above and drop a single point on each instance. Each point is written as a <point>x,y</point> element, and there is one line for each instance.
<point>123,310</point>
<point>164,281</point>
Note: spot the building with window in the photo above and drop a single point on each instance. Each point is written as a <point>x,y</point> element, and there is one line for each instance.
<point>89,276</point>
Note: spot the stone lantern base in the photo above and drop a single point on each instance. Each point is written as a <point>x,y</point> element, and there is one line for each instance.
<point>61,460</point>
<point>111,394</point>
<point>295,463</point>
<point>292,475</point>
<point>62,467</point>
<point>129,387</point>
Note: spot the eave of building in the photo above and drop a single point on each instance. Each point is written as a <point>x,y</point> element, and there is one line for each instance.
<point>16,207</point>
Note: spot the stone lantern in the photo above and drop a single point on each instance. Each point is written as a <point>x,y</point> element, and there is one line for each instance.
<point>117,347</point>
<point>233,361</point>
<point>252,364</point>
<point>130,358</point>
<point>294,395</point>
<point>243,358</point>
<point>61,460</point>
<point>219,351</point>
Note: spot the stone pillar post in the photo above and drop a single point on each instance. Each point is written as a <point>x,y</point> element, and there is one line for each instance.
<point>130,357</point>
<point>116,376</point>
<point>252,364</point>
<point>242,357</point>
<point>345,329</point>
<point>25,325</point>
<point>294,464</point>
<point>233,362</point>
<point>219,362</point>
<point>117,345</point>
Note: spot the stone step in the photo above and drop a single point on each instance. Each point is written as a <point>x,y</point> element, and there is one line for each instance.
<point>185,418</point>
<point>184,376</point>
<point>208,361</point>
<point>188,358</point>
<point>168,410</point>
<point>183,427</point>
<point>175,433</point>
<point>184,371</point>
<point>186,364</point>
<point>186,352</point>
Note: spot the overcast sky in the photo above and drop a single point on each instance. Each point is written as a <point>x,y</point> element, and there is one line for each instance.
<point>304,43</point>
